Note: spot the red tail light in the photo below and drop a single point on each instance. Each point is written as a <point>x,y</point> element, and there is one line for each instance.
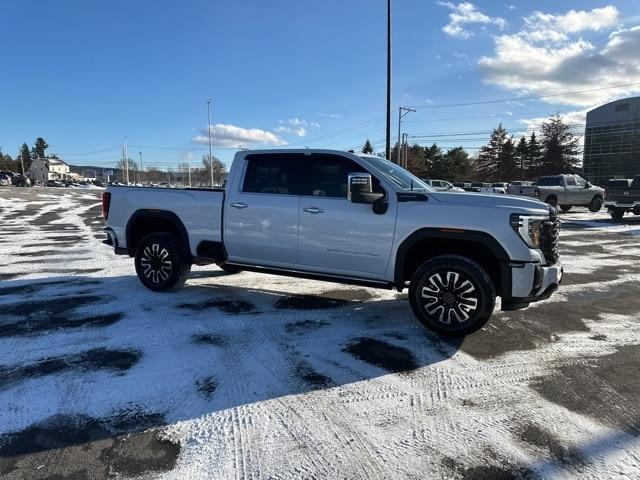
<point>106,203</point>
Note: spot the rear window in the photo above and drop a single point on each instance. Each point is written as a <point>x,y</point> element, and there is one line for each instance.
<point>549,182</point>
<point>619,182</point>
<point>274,174</point>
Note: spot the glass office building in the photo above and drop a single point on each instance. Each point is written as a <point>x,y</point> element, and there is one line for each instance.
<point>612,141</point>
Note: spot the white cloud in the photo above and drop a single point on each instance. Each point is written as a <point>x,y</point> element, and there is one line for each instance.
<point>466,13</point>
<point>548,57</point>
<point>223,135</point>
<point>547,27</point>
<point>296,126</point>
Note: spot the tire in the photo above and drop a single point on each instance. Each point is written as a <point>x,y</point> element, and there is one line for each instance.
<point>565,208</point>
<point>616,214</point>
<point>553,201</point>
<point>230,269</point>
<point>160,262</point>
<point>452,295</point>
<point>596,204</point>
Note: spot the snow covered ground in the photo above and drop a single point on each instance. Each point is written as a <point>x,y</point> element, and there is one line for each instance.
<point>254,376</point>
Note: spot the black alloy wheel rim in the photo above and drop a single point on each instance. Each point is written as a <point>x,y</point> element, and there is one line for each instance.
<point>156,263</point>
<point>449,296</point>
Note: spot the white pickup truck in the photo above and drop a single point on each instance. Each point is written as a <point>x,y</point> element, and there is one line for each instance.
<point>350,218</point>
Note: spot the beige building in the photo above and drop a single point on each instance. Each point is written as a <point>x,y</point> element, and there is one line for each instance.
<point>45,169</point>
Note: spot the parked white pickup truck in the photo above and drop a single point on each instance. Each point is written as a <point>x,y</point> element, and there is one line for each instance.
<point>343,217</point>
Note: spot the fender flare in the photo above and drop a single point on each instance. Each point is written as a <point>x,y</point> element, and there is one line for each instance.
<point>453,234</point>
<point>166,215</point>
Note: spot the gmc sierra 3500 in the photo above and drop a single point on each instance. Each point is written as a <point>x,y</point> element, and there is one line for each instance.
<point>350,218</point>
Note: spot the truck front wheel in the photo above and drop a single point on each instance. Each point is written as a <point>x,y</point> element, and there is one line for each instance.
<point>160,263</point>
<point>596,204</point>
<point>452,295</point>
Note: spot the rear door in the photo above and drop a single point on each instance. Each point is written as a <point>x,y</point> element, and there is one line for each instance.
<point>335,234</point>
<point>261,213</point>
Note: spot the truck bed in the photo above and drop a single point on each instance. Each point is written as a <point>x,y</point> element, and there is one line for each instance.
<point>199,210</point>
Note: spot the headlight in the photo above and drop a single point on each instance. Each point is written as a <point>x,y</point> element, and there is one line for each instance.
<point>529,227</point>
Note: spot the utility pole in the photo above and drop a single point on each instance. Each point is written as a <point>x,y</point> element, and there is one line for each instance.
<point>388,141</point>
<point>22,163</point>
<point>401,115</point>
<point>189,166</point>
<point>125,156</point>
<point>209,131</point>
<point>141,169</point>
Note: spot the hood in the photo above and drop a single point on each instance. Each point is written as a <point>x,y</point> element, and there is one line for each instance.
<point>488,200</point>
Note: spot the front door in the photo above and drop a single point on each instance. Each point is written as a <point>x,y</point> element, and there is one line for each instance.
<point>261,214</point>
<point>338,236</point>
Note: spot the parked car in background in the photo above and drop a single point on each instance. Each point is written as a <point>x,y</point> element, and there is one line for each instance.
<point>5,180</point>
<point>466,186</point>
<point>342,217</point>
<point>500,187</point>
<point>514,188</point>
<point>54,183</point>
<point>20,181</point>
<point>622,196</point>
<point>442,186</point>
<point>566,191</point>
<point>478,186</point>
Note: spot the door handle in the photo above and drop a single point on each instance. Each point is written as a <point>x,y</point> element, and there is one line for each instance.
<point>239,205</point>
<point>314,210</point>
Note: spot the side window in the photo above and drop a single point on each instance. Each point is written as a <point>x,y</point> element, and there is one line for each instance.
<point>271,174</point>
<point>580,182</point>
<point>571,181</point>
<point>328,175</point>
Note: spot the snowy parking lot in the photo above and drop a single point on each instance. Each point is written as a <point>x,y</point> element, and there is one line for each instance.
<point>255,376</point>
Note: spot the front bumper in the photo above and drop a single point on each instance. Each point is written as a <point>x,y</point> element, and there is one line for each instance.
<point>532,283</point>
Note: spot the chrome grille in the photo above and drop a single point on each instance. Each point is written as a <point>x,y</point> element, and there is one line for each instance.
<point>551,237</point>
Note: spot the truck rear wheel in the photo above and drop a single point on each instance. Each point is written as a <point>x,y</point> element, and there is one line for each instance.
<point>552,200</point>
<point>616,214</point>
<point>596,204</point>
<point>160,262</point>
<point>452,295</point>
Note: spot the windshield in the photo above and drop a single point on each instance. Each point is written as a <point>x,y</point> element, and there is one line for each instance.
<point>397,175</point>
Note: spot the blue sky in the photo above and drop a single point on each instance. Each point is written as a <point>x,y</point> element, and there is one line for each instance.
<point>288,73</point>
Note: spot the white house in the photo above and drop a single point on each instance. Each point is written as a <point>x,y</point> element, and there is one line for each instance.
<point>45,169</point>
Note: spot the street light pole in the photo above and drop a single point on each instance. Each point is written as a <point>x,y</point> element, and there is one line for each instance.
<point>388,139</point>
<point>141,169</point>
<point>209,131</point>
<point>400,117</point>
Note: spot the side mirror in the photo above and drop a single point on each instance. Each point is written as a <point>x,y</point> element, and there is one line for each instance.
<point>360,189</point>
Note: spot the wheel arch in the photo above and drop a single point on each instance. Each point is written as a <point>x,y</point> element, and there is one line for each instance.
<point>479,246</point>
<point>146,221</point>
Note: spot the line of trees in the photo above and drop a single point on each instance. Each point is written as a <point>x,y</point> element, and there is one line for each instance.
<point>200,175</point>
<point>25,156</point>
<point>502,159</point>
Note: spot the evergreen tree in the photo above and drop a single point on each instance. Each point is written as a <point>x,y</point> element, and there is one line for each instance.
<point>459,165</point>
<point>496,160</point>
<point>24,157</point>
<point>39,148</point>
<point>560,147</point>
<point>534,159</point>
<point>522,157</point>
<point>367,148</point>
